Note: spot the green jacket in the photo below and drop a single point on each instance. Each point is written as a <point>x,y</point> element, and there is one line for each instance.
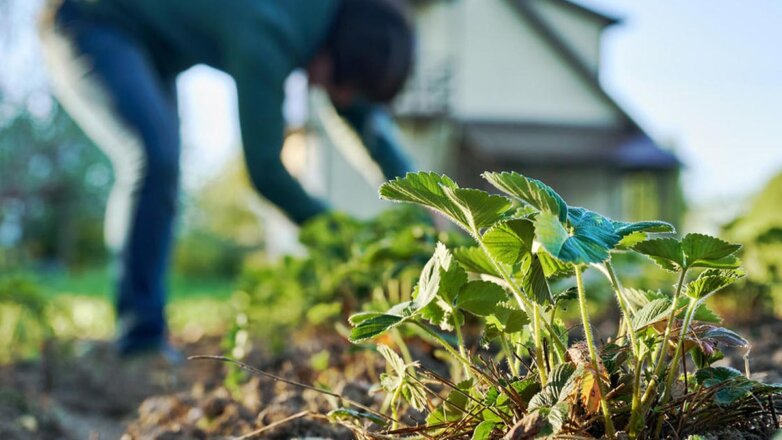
<point>259,43</point>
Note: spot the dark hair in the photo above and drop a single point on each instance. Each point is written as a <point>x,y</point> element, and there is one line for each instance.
<point>371,46</point>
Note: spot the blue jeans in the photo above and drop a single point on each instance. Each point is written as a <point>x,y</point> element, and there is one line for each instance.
<point>127,104</point>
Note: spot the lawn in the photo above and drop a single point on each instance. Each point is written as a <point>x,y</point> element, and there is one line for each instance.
<point>96,282</point>
<point>83,307</point>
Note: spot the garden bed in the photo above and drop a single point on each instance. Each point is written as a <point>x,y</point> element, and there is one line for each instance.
<point>87,399</point>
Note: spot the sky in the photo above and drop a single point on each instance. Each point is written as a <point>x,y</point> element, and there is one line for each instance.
<point>705,76</point>
<point>702,75</point>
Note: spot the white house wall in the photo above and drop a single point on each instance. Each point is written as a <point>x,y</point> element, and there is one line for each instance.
<point>507,72</point>
<point>435,22</point>
<point>593,188</point>
<point>579,31</point>
<point>429,145</point>
<point>503,71</point>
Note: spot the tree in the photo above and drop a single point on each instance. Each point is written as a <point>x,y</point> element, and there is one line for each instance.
<point>53,189</point>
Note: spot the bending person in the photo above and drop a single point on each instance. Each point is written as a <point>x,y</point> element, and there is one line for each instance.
<point>113,65</point>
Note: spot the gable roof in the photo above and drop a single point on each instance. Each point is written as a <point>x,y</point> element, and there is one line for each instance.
<point>563,145</point>
<point>571,58</point>
<point>607,20</point>
<point>629,146</point>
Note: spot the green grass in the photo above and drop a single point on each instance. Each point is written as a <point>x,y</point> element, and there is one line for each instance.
<point>97,282</point>
<point>80,306</point>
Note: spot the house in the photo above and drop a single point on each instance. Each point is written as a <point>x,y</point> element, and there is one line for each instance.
<point>513,85</point>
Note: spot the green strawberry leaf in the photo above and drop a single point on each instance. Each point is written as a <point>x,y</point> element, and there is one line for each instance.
<point>438,313</point>
<point>474,260</point>
<point>483,430</point>
<point>468,208</point>
<point>507,320</point>
<point>452,275</point>
<point>705,314</point>
<point>509,241</point>
<point>534,280</point>
<point>624,229</point>
<point>590,239</point>
<point>634,233</point>
<point>480,209</point>
<point>440,276</point>
<point>426,189</point>
<point>710,281</point>
<point>558,389</point>
<point>710,377</point>
<point>652,313</point>
<point>666,252</point>
<point>480,297</point>
<point>704,247</point>
<point>552,267</point>
<point>694,250</point>
<point>729,262</point>
<point>454,408</point>
<point>530,191</point>
<point>733,386</point>
<point>369,327</point>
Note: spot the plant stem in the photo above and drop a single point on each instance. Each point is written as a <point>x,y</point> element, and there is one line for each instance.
<point>636,348</point>
<point>675,361</point>
<point>666,337</point>
<point>395,408</point>
<point>609,428</point>
<point>636,406</point>
<point>623,306</point>
<point>460,342</point>
<point>444,344</point>
<point>539,358</point>
<point>523,302</point>
<point>512,364</point>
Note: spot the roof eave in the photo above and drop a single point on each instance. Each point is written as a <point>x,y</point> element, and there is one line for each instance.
<point>607,19</point>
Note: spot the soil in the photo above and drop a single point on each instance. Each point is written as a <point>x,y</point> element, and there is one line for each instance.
<point>81,390</point>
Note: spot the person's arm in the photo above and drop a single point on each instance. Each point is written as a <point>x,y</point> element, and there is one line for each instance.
<point>377,130</point>
<point>262,127</point>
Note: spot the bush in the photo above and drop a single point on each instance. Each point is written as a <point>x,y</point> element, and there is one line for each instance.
<point>205,255</point>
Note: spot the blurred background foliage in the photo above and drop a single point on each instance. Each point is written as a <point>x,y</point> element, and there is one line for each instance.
<point>759,230</point>
<point>55,185</point>
<point>56,278</point>
<point>348,264</point>
<point>220,226</point>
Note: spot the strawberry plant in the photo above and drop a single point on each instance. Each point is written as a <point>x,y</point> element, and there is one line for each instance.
<point>638,384</point>
<point>346,260</point>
